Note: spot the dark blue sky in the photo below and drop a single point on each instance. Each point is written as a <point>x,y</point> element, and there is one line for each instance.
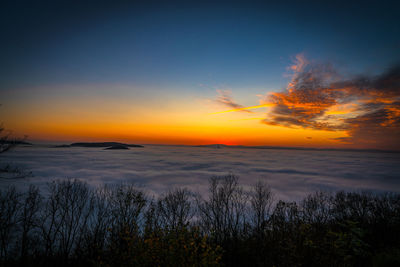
<point>178,45</point>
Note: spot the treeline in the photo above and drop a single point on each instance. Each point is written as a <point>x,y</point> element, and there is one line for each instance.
<point>72,224</point>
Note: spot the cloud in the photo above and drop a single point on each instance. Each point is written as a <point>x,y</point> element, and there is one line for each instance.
<point>157,169</point>
<point>378,127</point>
<point>300,62</point>
<point>224,97</point>
<point>367,108</point>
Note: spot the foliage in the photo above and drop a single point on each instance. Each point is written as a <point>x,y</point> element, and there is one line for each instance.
<point>74,224</point>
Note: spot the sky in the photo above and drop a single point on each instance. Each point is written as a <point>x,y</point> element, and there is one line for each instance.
<point>280,73</point>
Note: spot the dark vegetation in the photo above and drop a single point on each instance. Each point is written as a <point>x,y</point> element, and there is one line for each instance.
<point>72,224</point>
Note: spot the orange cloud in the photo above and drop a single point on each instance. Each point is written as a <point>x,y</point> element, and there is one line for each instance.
<point>367,108</point>
<point>342,109</point>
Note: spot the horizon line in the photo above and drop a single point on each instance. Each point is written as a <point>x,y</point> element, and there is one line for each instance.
<point>235,146</point>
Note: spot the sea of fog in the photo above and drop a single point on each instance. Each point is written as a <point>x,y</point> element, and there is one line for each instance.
<point>291,174</point>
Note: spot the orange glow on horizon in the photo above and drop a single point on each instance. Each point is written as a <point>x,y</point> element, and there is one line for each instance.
<point>249,132</point>
<point>180,122</point>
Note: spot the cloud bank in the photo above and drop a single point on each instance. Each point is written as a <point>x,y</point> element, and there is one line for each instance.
<point>291,173</point>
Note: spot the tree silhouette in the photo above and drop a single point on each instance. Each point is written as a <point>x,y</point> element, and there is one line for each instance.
<point>5,142</point>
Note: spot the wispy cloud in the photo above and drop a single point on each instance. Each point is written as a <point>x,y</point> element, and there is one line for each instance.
<point>224,97</point>
<point>247,109</point>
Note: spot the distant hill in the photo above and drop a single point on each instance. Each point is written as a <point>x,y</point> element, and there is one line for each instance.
<point>299,148</point>
<point>103,144</point>
<point>16,142</point>
<point>117,147</point>
<point>62,146</point>
<point>213,146</point>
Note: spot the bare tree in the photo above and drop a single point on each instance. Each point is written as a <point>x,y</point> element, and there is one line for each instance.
<point>152,221</point>
<point>317,208</point>
<point>127,207</point>
<point>97,233</point>
<point>261,203</point>
<point>175,209</point>
<point>9,207</point>
<point>223,215</point>
<point>29,219</point>
<point>66,216</point>
<point>285,217</point>
<point>5,142</point>
<point>353,206</point>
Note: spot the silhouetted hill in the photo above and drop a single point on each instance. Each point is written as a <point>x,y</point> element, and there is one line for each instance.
<point>117,147</point>
<point>103,144</point>
<point>16,142</point>
<point>62,146</point>
<point>213,146</point>
<point>299,148</point>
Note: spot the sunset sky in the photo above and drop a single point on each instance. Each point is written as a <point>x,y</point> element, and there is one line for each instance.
<point>311,74</point>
